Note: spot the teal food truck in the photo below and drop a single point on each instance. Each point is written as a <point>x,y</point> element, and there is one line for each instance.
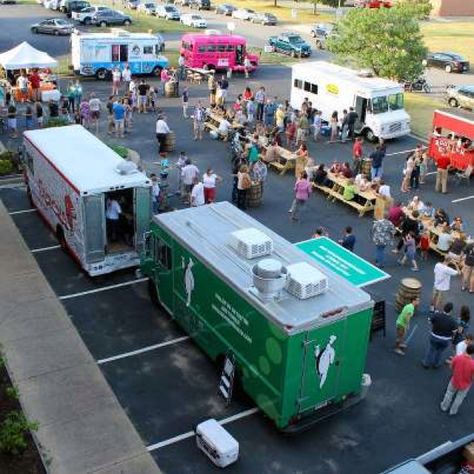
<point>297,333</point>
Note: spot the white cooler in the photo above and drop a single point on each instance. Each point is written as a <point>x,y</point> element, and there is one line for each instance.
<point>54,95</point>
<point>218,445</point>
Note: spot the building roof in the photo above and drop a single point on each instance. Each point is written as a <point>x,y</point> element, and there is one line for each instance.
<point>87,162</point>
<point>192,228</point>
<point>340,74</point>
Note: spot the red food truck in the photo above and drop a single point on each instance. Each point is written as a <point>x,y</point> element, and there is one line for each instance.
<point>453,134</point>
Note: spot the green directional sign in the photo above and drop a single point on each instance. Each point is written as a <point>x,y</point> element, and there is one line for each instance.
<point>343,262</point>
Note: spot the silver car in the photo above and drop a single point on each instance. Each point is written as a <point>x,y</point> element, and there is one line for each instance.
<point>460,96</point>
<point>53,26</point>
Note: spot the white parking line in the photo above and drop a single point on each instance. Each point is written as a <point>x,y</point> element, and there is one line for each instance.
<point>430,173</point>
<point>190,434</point>
<point>24,211</point>
<point>463,199</point>
<point>45,249</point>
<point>104,288</point>
<point>400,152</point>
<point>12,186</point>
<point>143,349</point>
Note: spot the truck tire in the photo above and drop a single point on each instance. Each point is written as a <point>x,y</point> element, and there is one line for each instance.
<point>87,21</point>
<point>156,71</point>
<point>127,23</point>
<point>101,74</point>
<point>103,24</point>
<point>369,135</point>
<point>453,102</point>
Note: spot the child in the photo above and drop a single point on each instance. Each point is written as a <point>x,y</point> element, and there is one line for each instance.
<point>85,113</point>
<point>424,244</point>
<point>39,114</point>
<point>410,251</point>
<point>185,101</point>
<point>11,120</point>
<point>153,98</point>
<point>403,323</point>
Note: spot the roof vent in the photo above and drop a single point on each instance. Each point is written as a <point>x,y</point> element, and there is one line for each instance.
<point>126,168</point>
<point>304,281</point>
<point>251,243</point>
<point>269,278</point>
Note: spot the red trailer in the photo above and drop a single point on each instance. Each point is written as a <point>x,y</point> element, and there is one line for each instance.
<point>453,134</point>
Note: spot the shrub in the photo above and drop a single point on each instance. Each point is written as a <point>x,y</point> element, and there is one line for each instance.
<point>6,167</point>
<point>12,432</point>
<point>12,392</point>
<point>121,151</point>
<point>57,122</point>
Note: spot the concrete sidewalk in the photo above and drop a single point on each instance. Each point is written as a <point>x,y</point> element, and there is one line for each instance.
<point>82,427</point>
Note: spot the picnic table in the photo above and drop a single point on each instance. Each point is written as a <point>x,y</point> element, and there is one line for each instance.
<point>213,121</point>
<point>286,159</point>
<point>196,74</point>
<point>336,191</point>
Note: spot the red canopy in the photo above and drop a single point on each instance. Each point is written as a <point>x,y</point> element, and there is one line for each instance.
<point>458,121</point>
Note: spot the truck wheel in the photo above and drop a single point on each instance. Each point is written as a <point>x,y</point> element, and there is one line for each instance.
<point>156,71</point>
<point>103,24</point>
<point>101,74</point>
<point>369,135</point>
<point>126,22</point>
<point>453,102</point>
<point>87,21</point>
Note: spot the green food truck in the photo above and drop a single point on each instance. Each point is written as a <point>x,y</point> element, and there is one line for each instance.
<point>297,334</point>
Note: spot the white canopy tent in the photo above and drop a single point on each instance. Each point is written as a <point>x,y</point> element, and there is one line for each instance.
<point>25,56</point>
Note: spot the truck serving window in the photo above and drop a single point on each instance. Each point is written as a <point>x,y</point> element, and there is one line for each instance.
<point>298,83</point>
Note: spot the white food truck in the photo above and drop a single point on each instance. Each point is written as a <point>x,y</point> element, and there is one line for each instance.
<point>378,102</point>
<point>72,178</point>
<point>96,54</point>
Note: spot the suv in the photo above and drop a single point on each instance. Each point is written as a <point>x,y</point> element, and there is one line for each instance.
<point>85,15</point>
<point>169,12</point>
<point>320,34</point>
<point>110,17</point>
<point>69,6</point>
<point>200,4</point>
<point>264,19</point>
<point>291,44</point>
<point>450,62</point>
<point>461,96</point>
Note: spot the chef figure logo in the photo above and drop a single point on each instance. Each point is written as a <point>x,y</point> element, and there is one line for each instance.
<point>188,279</point>
<point>324,359</point>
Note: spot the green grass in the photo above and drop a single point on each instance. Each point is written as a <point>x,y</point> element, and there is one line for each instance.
<point>456,36</point>
<point>421,107</point>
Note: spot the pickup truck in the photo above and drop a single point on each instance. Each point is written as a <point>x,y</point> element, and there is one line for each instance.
<point>291,44</point>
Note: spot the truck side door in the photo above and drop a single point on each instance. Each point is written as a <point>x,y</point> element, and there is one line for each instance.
<point>142,206</point>
<point>94,228</point>
<point>163,274</point>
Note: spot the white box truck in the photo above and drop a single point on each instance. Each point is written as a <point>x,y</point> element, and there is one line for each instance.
<point>97,54</point>
<point>379,103</point>
<point>72,179</point>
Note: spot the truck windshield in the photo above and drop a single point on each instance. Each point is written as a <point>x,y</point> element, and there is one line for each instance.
<point>388,103</point>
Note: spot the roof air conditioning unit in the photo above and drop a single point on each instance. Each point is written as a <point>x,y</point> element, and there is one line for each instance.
<point>251,243</point>
<point>304,281</point>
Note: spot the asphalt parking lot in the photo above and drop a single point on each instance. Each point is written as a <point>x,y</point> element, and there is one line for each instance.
<point>167,385</point>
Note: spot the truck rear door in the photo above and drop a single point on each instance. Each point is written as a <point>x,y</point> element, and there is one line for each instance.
<point>94,227</point>
<point>142,205</point>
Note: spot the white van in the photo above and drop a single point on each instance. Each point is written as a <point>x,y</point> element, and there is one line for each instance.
<point>71,177</point>
<point>378,102</point>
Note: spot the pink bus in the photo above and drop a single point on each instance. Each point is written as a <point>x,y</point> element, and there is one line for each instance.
<point>216,51</point>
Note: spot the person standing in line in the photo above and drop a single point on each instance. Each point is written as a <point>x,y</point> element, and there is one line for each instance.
<point>116,78</point>
<point>118,111</point>
<point>344,126</point>
<point>29,117</point>
<point>212,87</point>
<point>406,174</point>
<point>334,126</point>
<point>164,78</point>
<point>161,130</point>
<point>349,240</point>
<point>112,216</point>
<point>142,96</point>
<point>409,251</point>
<point>280,118</point>
<point>302,189</point>
<point>352,117</point>
<point>199,118</point>
<point>269,110</point>
<point>302,130</point>
<point>403,323</point>
<point>442,282</point>
<point>127,77</point>
<point>317,122</point>
<point>197,193</point>
<point>443,327</point>
<point>260,98</point>
<point>462,367</point>
<point>210,180</point>
<point>185,101</point>
<point>468,269</point>
<point>11,121</point>
<point>250,110</point>
<point>243,185</point>
<point>377,162</point>
<point>383,232</point>
<point>110,115</point>
<point>442,168</point>
<point>247,66</point>
<point>39,114</point>
<point>188,174</point>
<point>181,67</point>
<point>95,105</point>
<point>155,194</point>
<point>357,153</point>
<point>180,164</point>
<point>223,90</point>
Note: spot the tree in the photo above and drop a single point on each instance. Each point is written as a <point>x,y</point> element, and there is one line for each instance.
<point>388,41</point>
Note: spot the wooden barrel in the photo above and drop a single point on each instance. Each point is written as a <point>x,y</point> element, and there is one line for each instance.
<point>171,89</point>
<point>366,167</point>
<point>255,194</point>
<point>409,288</point>
<point>170,142</point>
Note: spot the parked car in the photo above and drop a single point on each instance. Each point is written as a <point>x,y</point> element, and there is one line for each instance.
<point>149,8</point>
<point>291,44</point>
<point>6,2</point>
<point>460,96</point>
<point>131,4</point>
<point>183,3</point>
<point>52,4</point>
<point>264,19</point>
<point>225,9</point>
<point>243,14</point>
<point>320,33</point>
<point>450,62</point>
<point>194,20</point>
<point>85,15</point>
<point>53,26</point>
<point>169,12</point>
<point>200,4</point>
<point>69,6</point>
<point>373,3</point>
<point>111,17</point>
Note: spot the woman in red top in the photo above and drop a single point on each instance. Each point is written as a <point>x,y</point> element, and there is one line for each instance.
<point>35,82</point>
<point>290,133</point>
<point>424,245</point>
<point>248,94</point>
